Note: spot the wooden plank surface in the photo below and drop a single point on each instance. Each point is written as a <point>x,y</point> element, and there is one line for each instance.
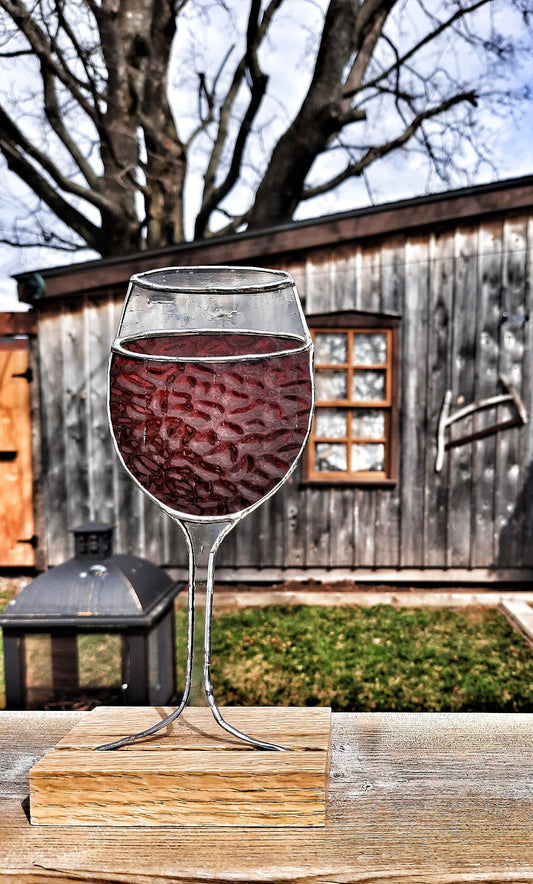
<point>419,799</point>
<point>388,500</point>
<point>413,432</point>
<point>18,323</point>
<point>193,773</point>
<point>75,417</point>
<point>196,730</point>
<point>54,447</point>
<point>459,461</point>
<point>510,538</point>
<point>172,788</point>
<point>441,277</point>
<point>487,384</point>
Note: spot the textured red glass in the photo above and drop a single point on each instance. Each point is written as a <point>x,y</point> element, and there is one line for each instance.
<point>210,438</point>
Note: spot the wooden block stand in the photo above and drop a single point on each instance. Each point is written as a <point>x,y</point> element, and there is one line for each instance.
<point>191,773</point>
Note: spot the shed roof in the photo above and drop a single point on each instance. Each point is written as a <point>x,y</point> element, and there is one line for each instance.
<point>437,211</point>
<point>122,589</point>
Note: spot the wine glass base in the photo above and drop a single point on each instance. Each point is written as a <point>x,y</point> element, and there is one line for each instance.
<point>217,715</point>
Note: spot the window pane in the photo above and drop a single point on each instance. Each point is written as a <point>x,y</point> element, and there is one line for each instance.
<point>368,457</point>
<point>331,348</point>
<point>368,423</point>
<point>369,349</point>
<point>331,422</point>
<point>330,458</point>
<point>368,386</point>
<point>331,385</point>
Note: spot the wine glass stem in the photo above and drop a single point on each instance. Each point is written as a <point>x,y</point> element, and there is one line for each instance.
<point>203,540</point>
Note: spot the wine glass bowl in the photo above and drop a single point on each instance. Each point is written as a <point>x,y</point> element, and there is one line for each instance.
<point>210,406</point>
<point>209,403</point>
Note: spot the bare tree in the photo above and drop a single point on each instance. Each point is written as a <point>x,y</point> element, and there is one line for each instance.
<point>96,137</point>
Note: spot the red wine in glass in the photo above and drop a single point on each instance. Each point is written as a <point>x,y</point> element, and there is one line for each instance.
<point>210,438</point>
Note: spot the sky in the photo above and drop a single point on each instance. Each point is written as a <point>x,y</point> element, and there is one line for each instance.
<point>397,178</point>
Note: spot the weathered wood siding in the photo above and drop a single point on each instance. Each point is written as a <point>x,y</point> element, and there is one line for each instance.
<point>463,296</point>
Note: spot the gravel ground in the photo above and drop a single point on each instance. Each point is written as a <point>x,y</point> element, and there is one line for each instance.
<point>10,584</point>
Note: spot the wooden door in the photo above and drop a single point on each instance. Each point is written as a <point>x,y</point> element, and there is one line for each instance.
<point>16,478</point>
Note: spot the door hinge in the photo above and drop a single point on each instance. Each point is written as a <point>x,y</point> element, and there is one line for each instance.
<point>33,541</point>
<point>28,374</point>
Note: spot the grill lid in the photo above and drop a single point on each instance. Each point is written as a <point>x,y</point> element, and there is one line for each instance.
<point>93,588</point>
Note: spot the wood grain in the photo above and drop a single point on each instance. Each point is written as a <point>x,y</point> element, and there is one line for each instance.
<point>416,799</point>
<point>451,283</point>
<point>16,474</point>
<point>297,728</point>
<point>191,776</point>
<point>520,614</point>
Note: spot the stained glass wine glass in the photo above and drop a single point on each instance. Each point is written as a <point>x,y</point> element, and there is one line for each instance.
<point>210,407</point>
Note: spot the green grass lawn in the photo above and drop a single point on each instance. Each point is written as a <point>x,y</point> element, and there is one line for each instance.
<point>376,658</point>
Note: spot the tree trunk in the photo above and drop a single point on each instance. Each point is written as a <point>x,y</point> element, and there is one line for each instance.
<point>119,28</point>
<point>136,42</point>
<point>166,164</point>
<point>325,110</point>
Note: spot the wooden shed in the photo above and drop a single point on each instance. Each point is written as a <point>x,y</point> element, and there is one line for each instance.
<point>421,462</point>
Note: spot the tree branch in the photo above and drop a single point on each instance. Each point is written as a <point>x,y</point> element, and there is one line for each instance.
<point>17,53</point>
<point>70,216</point>
<point>210,96</point>
<point>320,116</point>
<point>11,138</point>
<point>213,195</point>
<point>236,221</point>
<point>53,115</point>
<point>353,170</point>
<point>82,54</point>
<point>428,38</point>
<point>368,33</point>
<point>22,238</point>
<point>22,18</point>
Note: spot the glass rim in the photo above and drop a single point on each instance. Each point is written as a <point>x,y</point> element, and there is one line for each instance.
<point>272,279</point>
<point>305,343</point>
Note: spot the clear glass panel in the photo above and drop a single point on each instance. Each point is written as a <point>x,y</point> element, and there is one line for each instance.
<point>331,422</point>
<point>368,423</point>
<point>38,688</point>
<point>370,349</point>
<point>368,386</point>
<point>100,659</point>
<point>330,457</point>
<point>38,660</point>
<point>368,457</point>
<point>331,385</point>
<point>331,348</point>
